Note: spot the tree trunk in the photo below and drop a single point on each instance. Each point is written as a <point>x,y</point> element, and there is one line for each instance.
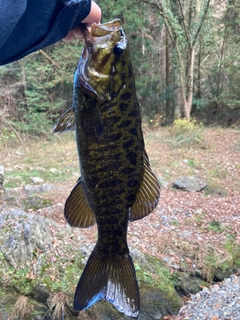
<point>167,79</point>
<point>189,86</point>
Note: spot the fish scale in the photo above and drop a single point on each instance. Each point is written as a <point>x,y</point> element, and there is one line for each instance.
<point>117,183</point>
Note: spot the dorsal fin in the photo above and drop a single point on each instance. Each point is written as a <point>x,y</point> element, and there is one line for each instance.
<point>148,194</point>
<point>77,211</point>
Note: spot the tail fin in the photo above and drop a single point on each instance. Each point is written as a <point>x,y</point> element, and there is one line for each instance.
<point>110,278</point>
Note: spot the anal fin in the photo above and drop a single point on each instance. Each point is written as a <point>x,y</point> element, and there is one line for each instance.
<point>147,195</point>
<point>77,211</point>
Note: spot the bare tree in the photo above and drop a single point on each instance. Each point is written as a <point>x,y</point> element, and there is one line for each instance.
<point>184,20</point>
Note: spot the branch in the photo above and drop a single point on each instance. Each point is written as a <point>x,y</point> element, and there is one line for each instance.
<point>49,59</point>
<point>184,25</point>
<point>55,64</point>
<point>159,7</point>
<point>201,23</point>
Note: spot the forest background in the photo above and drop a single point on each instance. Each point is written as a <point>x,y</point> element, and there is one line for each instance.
<point>186,60</point>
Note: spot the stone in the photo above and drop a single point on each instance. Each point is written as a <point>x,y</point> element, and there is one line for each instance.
<point>190,183</point>
<point>35,202</point>
<point>47,187</point>
<point>37,180</point>
<point>168,260</point>
<point>219,190</point>
<point>189,284</point>
<point>206,290</point>
<point>32,189</point>
<point>214,288</point>
<point>163,182</point>
<point>18,153</point>
<point>30,242</point>
<point>22,238</point>
<point>36,189</point>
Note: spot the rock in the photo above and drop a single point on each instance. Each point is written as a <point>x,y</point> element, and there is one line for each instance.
<point>168,260</point>
<point>37,180</point>
<point>190,183</point>
<point>35,203</point>
<point>219,190</point>
<point>155,304</point>
<point>47,187</point>
<point>30,189</point>
<point>18,153</point>
<point>27,245</point>
<point>163,182</point>
<point>40,293</point>
<point>36,189</point>
<point>22,235</point>
<point>198,296</point>
<point>189,284</point>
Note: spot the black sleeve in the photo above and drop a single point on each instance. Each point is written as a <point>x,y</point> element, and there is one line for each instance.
<point>29,25</point>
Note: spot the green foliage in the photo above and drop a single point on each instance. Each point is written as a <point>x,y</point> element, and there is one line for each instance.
<point>45,89</point>
<point>20,280</point>
<point>143,28</point>
<point>188,133</point>
<point>35,203</point>
<point>192,163</point>
<point>215,226</point>
<point>35,92</point>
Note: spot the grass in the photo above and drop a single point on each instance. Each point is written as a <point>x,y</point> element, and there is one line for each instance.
<point>54,161</point>
<point>17,177</point>
<point>22,309</point>
<point>186,134</point>
<point>216,226</point>
<point>192,163</point>
<point>199,217</point>
<point>167,149</point>
<point>217,172</point>
<point>56,304</point>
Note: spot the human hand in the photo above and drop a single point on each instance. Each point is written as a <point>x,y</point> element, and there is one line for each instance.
<point>95,15</point>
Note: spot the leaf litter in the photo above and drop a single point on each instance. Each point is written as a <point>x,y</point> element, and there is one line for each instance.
<point>186,229</point>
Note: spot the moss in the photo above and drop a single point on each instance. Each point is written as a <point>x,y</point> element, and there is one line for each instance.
<point>36,203</point>
<point>213,188</point>
<point>157,287</point>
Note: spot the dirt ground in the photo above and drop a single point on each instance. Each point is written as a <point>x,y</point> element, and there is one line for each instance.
<point>192,231</point>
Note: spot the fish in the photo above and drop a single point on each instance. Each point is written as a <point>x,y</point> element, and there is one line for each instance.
<point>117,184</point>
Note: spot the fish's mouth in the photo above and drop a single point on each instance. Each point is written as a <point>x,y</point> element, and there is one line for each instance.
<point>100,41</point>
<point>97,34</point>
<point>100,30</point>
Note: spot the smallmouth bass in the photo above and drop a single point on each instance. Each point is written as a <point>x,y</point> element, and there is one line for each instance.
<point>117,184</point>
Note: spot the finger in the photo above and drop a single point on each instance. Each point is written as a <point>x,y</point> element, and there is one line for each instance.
<point>77,33</point>
<point>94,15</point>
<point>69,37</point>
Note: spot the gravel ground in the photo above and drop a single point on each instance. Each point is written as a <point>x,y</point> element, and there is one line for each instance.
<point>219,302</point>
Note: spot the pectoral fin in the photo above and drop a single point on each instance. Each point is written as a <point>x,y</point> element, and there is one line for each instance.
<point>148,194</point>
<point>77,211</point>
<point>66,122</point>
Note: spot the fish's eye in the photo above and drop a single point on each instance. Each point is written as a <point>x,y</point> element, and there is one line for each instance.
<point>118,50</point>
